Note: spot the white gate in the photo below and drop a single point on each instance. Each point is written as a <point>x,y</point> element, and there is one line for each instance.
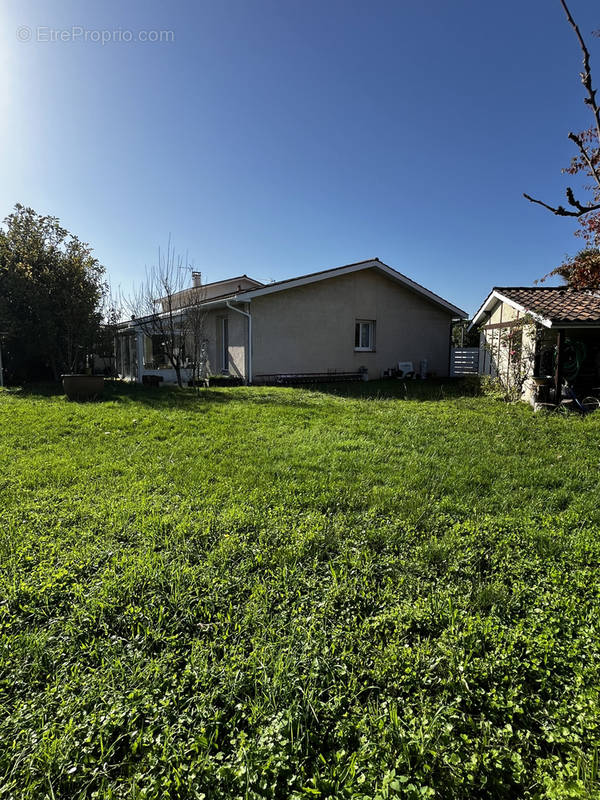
<point>464,361</point>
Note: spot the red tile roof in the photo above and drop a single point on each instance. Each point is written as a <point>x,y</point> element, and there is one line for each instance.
<point>556,303</point>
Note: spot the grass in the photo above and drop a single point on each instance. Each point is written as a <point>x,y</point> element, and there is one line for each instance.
<point>349,592</point>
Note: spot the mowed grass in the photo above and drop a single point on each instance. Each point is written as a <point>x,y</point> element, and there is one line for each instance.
<point>286,593</point>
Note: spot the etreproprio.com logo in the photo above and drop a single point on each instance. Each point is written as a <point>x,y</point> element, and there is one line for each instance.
<point>78,33</point>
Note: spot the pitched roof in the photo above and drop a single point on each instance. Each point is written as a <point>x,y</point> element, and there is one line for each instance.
<point>204,292</point>
<point>553,306</point>
<point>230,280</point>
<point>319,273</point>
<point>246,295</point>
<point>334,272</point>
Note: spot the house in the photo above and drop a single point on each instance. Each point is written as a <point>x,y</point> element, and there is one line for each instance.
<point>363,317</point>
<point>534,338</point>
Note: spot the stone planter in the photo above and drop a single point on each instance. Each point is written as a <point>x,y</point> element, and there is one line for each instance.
<point>83,387</point>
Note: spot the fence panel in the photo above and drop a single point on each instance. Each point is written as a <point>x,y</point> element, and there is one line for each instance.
<point>464,361</point>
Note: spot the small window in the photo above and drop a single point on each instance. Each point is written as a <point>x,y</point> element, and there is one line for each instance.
<point>364,334</point>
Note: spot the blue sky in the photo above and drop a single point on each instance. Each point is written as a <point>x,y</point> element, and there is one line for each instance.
<point>277,137</point>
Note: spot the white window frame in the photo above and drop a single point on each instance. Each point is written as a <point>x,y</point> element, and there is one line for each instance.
<point>370,323</point>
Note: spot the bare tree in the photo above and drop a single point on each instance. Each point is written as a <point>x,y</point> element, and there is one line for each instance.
<point>588,144</point>
<point>153,306</point>
<point>163,307</point>
<point>196,315</point>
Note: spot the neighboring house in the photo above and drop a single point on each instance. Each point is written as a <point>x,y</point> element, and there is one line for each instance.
<point>532,337</point>
<point>361,316</point>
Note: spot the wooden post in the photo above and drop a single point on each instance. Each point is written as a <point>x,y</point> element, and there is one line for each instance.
<point>558,369</point>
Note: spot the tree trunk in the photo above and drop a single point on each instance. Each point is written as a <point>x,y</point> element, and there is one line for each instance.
<point>177,367</point>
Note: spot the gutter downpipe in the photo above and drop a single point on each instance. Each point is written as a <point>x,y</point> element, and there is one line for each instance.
<point>249,317</point>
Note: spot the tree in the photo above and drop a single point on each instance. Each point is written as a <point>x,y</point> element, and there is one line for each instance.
<point>196,317</point>
<point>111,317</point>
<point>51,288</point>
<point>167,310</point>
<point>581,271</point>
<point>587,160</point>
<point>461,336</point>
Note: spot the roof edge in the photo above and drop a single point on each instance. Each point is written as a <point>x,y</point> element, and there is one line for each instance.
<point>374,263</point>
<point>497,293</point>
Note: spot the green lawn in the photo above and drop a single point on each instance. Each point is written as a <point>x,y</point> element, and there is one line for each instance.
<point>285,593</point>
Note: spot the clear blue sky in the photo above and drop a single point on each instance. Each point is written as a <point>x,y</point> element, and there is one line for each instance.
<point>276,137</point>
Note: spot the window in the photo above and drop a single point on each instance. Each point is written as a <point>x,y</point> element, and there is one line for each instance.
<point>157,349</point>
<point>364,334</point>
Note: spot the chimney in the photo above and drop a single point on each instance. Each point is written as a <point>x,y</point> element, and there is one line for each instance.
<point>196,279</point>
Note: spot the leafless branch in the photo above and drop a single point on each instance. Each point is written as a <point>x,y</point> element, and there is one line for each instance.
<point>586,75</point>
<point>588,159</point>
<point>586,156</point>
<point>561,211</point>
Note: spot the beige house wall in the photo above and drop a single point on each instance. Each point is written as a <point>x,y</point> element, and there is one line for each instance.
<point>503,313</point>
<point>495,346</point>
<point>311,328</point>
<point>238,341</point>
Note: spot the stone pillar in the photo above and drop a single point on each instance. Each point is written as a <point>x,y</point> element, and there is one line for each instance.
<point>140,354</point>
<point>131,343</point>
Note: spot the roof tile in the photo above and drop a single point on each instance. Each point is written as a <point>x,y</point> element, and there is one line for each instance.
<point>556,303</point>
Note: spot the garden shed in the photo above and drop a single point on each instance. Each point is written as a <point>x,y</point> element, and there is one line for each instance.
<point>534,338</point>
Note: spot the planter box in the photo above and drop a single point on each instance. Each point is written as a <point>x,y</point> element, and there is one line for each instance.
<point>83,387</point>
<point>152,380</point>
<point>299,378</point>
